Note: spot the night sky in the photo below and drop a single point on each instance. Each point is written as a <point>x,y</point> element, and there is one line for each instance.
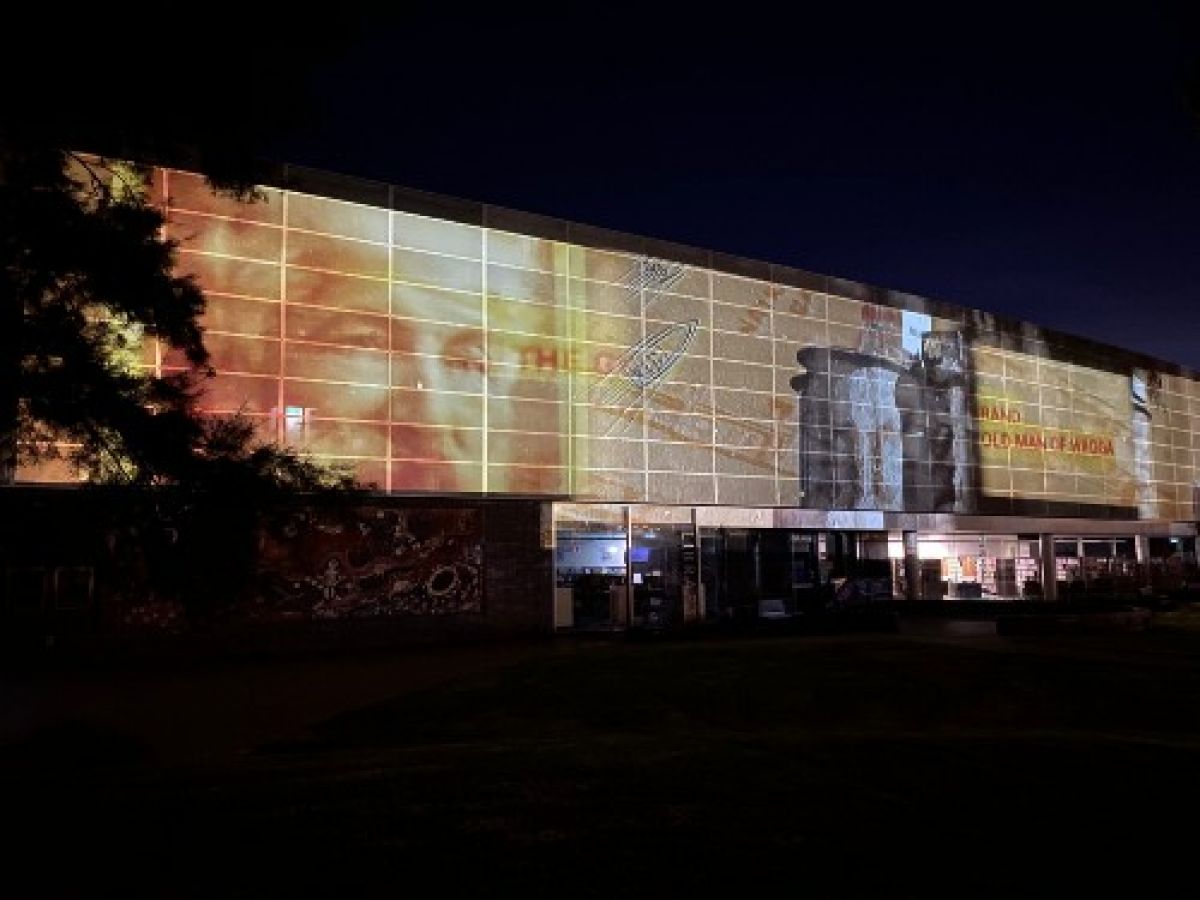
<point>1038,164</point>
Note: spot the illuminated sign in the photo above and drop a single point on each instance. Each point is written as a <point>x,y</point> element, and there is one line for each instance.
<point>1025,437</point>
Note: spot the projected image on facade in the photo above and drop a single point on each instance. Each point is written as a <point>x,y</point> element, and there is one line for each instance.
<point>367,336</point>
<point>887,426</point>
<point>435,356</point>
<point>1053,429</point>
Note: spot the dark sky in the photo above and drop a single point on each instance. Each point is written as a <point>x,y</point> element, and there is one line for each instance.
<point>1040,164</point>
<point>1037,163</point>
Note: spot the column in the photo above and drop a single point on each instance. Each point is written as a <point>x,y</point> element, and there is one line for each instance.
<point>912,567</point>
<point>627,614</point>
<point>701,600</point>
<point>1141,545</point>
<point>1049,579</point>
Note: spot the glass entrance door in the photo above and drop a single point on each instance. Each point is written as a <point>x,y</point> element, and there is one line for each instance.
<point>589,566</point>
<point>656,573</point>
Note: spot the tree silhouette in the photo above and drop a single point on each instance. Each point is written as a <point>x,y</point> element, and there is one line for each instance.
<point>86,275</point>
<point>84,272</point>
<point>86,279</point>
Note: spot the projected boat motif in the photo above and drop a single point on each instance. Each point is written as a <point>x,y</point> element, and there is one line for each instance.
<point>650,359</point>
<point>652,276</point>
<point>647,362</point>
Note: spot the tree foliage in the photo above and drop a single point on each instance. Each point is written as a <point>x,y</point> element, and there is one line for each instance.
<point>87,281</point>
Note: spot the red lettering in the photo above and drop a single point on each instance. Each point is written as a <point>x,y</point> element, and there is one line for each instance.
<point>881,314</point>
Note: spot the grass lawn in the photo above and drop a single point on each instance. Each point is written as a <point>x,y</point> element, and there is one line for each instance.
<point>860,765</point>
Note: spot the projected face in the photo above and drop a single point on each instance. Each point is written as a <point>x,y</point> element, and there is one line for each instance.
<point>445,362</point>
<point>401,354</point>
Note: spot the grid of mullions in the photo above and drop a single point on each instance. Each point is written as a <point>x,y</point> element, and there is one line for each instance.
<point>1057,398</point>
<point>438,356</point>
<point>1174,449</point>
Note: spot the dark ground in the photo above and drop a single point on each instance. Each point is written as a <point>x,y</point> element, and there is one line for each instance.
<point>914,764</point>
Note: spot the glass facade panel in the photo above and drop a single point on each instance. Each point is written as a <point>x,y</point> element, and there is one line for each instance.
<point>335,217</point>
<point>241,315</point>
<point>225,237</point>
<point>335,290</point>
<point>437,271</point>
<point>241,277</point>
<point>349,401</point>
<point>330,326</point>
<point>233,393</point>
<point>334,254</point>
<point>424,233</point>
<point>188,191</point>
<point>235,353</point>
<point>326,363</point>
<point>421,442</point>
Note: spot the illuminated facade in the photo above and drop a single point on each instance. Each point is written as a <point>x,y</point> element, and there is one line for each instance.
<point>705,435</point>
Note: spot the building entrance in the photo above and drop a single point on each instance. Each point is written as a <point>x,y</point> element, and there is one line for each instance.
<point>656,575</point>
<point>774,573</point>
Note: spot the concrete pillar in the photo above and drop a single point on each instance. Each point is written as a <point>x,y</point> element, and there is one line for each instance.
<point>912,567</point>
<point>1046,560</point>
<point>628,619</point>
<point>1141,544</point>
<point>701,600</point>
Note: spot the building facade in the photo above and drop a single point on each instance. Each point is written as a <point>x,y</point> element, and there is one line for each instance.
<point>697,436</point>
